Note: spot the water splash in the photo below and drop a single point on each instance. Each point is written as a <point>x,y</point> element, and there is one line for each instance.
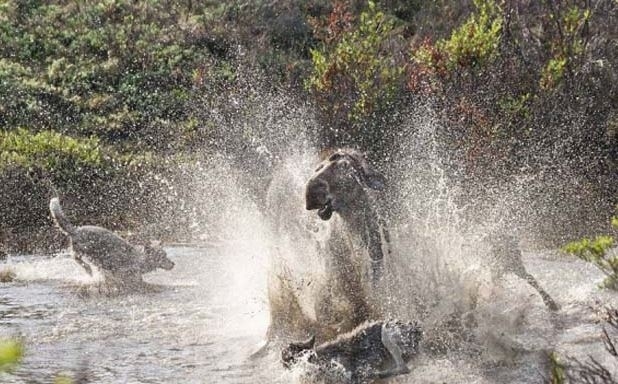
<point>60,267</point>
<point>439,269</point>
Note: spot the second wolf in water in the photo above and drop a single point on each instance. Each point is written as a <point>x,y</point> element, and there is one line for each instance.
<point>119,261</point>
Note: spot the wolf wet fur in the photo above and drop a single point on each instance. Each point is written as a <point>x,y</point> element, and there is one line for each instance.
<point>374,350</point>
<point>119,261</point>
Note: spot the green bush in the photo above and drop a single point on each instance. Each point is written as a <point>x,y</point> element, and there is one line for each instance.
<point>355,76</point>
<point>567,47</point>
<point>473,44</point>
<point>48,150</point>
<point>598,251</point>
<point>11,354</point>
<point>112,68</point>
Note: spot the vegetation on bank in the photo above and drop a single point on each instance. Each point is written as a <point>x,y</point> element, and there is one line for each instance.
<point>569,370</point>
<point>601,252</point>
<point>119,70</point>
<point>105,93</point>
<point>351,79</point>
<point>54,151</point>
<point>48,150</point>
<point>12,352</point>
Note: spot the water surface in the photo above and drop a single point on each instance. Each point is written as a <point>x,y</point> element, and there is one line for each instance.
<point>200,322</point>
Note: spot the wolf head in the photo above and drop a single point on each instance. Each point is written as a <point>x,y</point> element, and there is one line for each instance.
<point>156,258</point>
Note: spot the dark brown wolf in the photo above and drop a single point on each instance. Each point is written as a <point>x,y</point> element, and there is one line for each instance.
<point>374,350</point>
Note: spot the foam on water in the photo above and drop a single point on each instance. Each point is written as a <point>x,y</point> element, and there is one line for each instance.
<point>60,267</point>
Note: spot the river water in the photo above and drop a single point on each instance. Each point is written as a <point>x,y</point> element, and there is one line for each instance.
<point>195,325</point>
<point>200,322</point>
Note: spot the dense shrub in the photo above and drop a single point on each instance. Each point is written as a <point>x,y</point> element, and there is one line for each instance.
<point>115,69</point>
<point>355,76</point>
<point>601,252</point>
<point>471,45</point>
<point>521,88</point>
<point>48,149</point>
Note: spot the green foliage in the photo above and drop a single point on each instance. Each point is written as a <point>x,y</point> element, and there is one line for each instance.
<point>590,249</point>
<point>598,252</point>
<point>112,68</point>
<point>476,41</point>
<point>473,44</point>
<point>11,353</point>
<point>566,46</point>
<point>515,106</point>
<point>553,72</point>
<point>63,379</point>
<point>67,157</point>
<point>574,20</point>
<point>557,370</point>
<point>48,150</point>
<point>357,76</point>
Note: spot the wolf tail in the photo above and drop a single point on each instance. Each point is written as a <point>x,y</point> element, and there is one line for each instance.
<point>59,218</point>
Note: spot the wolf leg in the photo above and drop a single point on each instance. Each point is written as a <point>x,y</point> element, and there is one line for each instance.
<point>390,338</point>
<point>83,264</point>
<point>547,299</point>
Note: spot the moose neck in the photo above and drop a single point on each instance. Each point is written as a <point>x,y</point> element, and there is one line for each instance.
<point>363,220</point>
<point>359,212</point>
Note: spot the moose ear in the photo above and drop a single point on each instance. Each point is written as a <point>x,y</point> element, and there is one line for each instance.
<point>372,178</point>
<point>309,344</point>
<point>375,180</point>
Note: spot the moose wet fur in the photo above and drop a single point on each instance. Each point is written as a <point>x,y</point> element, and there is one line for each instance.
<point>346,184</point>
<point>374,350</point>
<point>120,262</point>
